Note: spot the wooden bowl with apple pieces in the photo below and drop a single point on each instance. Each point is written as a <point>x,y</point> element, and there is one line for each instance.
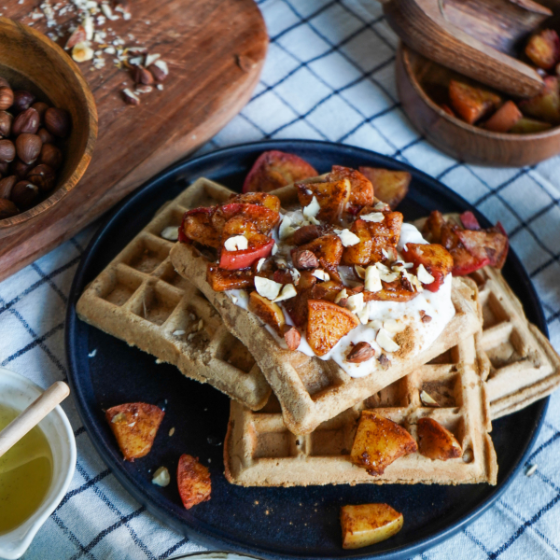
<point>419,84</point>
<point>31,61</point>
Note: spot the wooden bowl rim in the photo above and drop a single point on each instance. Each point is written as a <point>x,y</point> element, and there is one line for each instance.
<point>92,129</point>
<point>404,52</point>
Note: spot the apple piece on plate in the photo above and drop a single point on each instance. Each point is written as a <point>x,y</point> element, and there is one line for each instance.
<point>361,189</point>
<point>328,250</point>
<point>331,196</point>
<point>434,258</point>
<point>197,226</point>
<point>222,280</point>
<point>367,524</point>
<point>546,105</point>
<point>388,186</point>
<point>379,442</point>
<point>543,49</point>
<point>361,252</point>
<point>135,426</point>
<point>269,312</point>
<point>437,442</point>
<point>193,480</point>
<point>275,169</point>
<point>327,323</point>
<point>472,103</point>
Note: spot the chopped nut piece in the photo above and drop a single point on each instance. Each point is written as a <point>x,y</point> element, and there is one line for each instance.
<point>266,288</point>
<point>292,337</point>
<point>78,36</point>
<point>531,470</point>
<point>424,317</point>
<point>161,477</point>
<point>288,292</point>
<point>386,342</point>
<point>82,52</point>
<point>159,70</point>
<point>374,217</point>
<point>427,400</point>
<point>171,432</point>
<point>305,259</point>
<point>321,275</point>
<point>171,233</point>
<point>361,352</point>
<point>384,361</point>
<point>130,97</point>
<point>236,243</point>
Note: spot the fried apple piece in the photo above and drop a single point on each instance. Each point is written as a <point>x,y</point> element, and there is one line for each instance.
<point>328,250</point>
<point>392,291</point>
<point>193,480</point>
<point>388,186</point>
<point>367,524</point>
<point>326,290</point>
<point>361,252</point>
<point>529,126</point>
<point>135,426</point>
<point>269,312</point>
<point>385,236</point>
<point>379,442</point>
<point>504,119</point>
<point>197,226</point>
<point>546,105</point>
<point>236,218</point>
<point>332,197</point>
<point>361,189</point>
<point>296,307</point>
<point>327,323</point>
<point>270,201</point>
<point>434,257</point>
<point>433,227</point>
<point>275,169</point>
<point>437,442</point>
<point>222,280</point>
<point>543,49</point>
<point>472,103</point>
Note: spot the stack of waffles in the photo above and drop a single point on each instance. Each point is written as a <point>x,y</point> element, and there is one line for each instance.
<point>293,418</point>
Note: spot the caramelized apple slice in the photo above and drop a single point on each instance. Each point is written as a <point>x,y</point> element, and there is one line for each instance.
<point>385,236</point>
<point>197,226</point>
<point>544,49</point>
<point>296,307</point>
<point>328,250</point>
<point>327,323</point>
<point>270,201</point>
<point>368,524</point>
<point>361,252</point>
<point>433,227</point>
<point>388,186</point>
<point>392,291</point>
<point>222,280</point>
<point>361,189</point>
<point>435,258</point>
<point>437,442</point>
<point>546,105</point>
<point>193,480</point>
<point>332,198</point>
<point>504,119</point>
<point>135,426</point>
<point>269,312</point>
<point>491,245</point>
<point>275,169</point>
<point>379,442</point>
<point>326,290</point>
<point>472,103</point>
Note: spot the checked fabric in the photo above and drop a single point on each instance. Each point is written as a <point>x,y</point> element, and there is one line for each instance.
<point>329,75</point>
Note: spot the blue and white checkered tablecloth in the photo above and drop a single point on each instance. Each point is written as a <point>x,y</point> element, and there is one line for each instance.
<point>329,75</point>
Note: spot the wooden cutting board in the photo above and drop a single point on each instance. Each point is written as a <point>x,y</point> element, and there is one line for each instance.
<point>208,84</point>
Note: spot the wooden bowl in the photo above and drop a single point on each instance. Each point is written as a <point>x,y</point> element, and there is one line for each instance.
<point>30,60</point>
<point>420,83</point>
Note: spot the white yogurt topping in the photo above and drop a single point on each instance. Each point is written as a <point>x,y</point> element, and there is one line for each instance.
<point>392,317</point>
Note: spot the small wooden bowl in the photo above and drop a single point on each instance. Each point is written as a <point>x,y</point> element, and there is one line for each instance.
<point>31,61</point>
<point>419,81</point>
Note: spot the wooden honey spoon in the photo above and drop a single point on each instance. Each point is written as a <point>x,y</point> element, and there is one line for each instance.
<point>478,38</point>
<point>32,415</point>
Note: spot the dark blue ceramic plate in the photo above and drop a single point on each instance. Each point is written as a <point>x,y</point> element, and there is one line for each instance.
<point>268,522</point>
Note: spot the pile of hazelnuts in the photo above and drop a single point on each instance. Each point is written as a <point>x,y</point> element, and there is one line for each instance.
<point>29,157</point>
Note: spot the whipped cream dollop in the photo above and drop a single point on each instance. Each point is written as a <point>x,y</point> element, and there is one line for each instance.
<point>381,322</point>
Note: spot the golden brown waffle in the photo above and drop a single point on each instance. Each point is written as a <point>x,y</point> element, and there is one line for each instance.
<point>311,390</point>
<point>521,364</point>
<point>140,299</point>
<point>259,449</point>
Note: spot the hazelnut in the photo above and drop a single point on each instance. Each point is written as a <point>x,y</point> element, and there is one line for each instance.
<point>28,147</point>
<point>7,150</point>
<point>43,176</point>
<point>292,337</point>
<point>57,122</point>
<point>26,121</point>
<point>143,76</point>
<point>20,169</point>
<point>6,185</point>
<point>24,194</point>
<point>305,259</point>
<point>4,166</point>
<point>159,70</point>
<point>5,124</point>
<point>6,98</point>
<point>41,108</point>
<point>22,100</point>
<point>51,156</point>
<point>361,352</point>
<point>7,209</point>
<point>45,136</point>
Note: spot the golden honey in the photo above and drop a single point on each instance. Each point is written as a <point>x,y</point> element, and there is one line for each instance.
<point>25,475</point>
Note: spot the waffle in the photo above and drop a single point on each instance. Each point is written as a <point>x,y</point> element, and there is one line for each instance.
<point>311,390</point>
<point>139,298</point>
<point>259,450</point>
<point>521,364</point>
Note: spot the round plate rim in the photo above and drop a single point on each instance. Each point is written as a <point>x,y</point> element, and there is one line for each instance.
<point>201,533</point>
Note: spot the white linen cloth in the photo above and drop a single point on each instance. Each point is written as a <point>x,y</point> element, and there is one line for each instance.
<point>329,75</point>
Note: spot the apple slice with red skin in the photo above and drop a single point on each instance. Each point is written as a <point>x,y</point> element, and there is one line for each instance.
<point>332,197</point>
<point>275,169</point>
<point>434,257</point>
<point>197,226</point>
<point>270,201</point>
<point>361,189</point>
<point>260,247</point>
